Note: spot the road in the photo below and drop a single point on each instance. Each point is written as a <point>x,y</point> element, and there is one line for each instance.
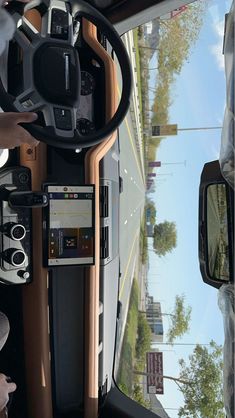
<point>132,201</point>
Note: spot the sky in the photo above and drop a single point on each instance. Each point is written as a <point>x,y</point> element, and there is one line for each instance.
<point>198,101</point>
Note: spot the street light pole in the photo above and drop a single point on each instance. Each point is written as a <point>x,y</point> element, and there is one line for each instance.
<point>200,129</point>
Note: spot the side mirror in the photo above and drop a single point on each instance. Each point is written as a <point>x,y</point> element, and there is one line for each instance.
<point>216,220</point>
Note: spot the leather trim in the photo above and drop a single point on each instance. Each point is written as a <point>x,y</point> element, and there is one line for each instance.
<point>35,304</point>
<point>35,295</point>
<point>93,158</point>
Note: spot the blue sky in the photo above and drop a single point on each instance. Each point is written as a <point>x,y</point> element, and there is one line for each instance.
<point>198,101</point>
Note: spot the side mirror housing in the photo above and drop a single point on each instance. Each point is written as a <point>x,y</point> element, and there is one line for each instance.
<point>216,227</point>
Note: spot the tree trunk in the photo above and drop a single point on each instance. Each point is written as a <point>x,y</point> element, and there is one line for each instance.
<point>175,379</point>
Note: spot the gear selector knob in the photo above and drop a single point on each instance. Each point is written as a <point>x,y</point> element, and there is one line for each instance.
<point>27,199</point>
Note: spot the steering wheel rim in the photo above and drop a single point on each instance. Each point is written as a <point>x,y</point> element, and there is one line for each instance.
<point>46,134</point>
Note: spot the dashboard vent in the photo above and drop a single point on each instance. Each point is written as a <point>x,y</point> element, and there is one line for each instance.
<point>104,242</point>
<point>104,201</point>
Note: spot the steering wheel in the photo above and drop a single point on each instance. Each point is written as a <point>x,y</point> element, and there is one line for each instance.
<point>52,75</point>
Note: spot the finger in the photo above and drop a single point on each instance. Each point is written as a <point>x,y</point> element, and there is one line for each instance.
<point>32,141</point>
<point>11,387</point>
<point>25,137</point>
<point>25,117</point>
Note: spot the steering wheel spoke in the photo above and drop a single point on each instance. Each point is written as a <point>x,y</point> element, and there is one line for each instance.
<point>26,35</point>
<point>32,33</point>
<point>29,101</point>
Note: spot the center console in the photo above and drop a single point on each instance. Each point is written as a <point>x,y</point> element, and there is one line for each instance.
<point>16,202</point>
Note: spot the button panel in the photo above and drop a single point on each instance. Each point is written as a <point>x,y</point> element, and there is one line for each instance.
<point>15,229</point>
<point>63,119</point>
<point>59,24</point>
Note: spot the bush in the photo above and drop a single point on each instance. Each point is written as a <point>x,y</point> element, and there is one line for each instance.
<point>139,397</point>
<point>144,337</point>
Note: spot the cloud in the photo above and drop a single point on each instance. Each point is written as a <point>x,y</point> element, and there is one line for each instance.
<point>217,47</point>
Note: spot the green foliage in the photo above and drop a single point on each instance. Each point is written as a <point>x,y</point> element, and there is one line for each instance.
<point>203,397</point>
<point>143,241</point>
<point>139,397</point>
<point>151,206</point>
<point>180,319</point>
<point>176,40</point>
<point>143,343</point>
<point>127,358</point>
<point>178,36</point>
<point>165,238</point>
<point>123,388</point>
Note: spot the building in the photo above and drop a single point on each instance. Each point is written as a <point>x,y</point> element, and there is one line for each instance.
<point>154,318</point>
<point>150,230</point>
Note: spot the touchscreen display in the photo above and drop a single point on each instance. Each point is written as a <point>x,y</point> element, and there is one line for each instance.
<point>71,227</point>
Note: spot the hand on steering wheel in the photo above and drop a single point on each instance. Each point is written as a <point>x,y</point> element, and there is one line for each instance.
<point>52,74</point>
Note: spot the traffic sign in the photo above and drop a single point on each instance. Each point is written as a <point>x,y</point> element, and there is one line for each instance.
<point>164,130</point>
<point>155,369</point>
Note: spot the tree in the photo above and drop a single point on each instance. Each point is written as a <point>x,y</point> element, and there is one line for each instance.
<point>203,396</point>
<point>180,319</point>
<point>150,206</point>
<point>164,238</point>
<point>178,36</point>
<point>200,382</point>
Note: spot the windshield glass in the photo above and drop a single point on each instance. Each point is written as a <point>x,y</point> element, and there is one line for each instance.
<point>170,335</point>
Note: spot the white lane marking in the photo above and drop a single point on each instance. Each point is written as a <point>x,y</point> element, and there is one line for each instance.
<point>125,222</point>
<point>131,214</point>
<point>131,178</point>
<point>125,170</point>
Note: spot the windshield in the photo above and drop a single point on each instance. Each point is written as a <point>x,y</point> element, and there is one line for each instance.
<point>170,335</point>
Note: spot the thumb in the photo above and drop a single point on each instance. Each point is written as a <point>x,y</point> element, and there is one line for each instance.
<point>26,117</point>
<point>11,387</point>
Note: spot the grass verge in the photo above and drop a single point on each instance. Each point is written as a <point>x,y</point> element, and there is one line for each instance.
<point>137,59</point>
<point>127,359</point>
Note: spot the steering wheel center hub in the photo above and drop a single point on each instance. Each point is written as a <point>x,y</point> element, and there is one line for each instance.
<point>56,73</point>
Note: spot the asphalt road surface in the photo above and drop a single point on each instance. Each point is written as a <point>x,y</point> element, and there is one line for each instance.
<point>132,201</point>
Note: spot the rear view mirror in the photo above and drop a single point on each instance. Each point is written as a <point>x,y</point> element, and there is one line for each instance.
<point>218,262</point>
<point>216,227</point>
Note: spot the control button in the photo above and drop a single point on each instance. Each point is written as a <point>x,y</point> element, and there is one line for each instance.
<point>15,257</point>
<point>23,178</point>
<point>85,126</point>
<point>17,232</point>
<point>59,24</point>
<point>63,119</point>
<point>23,274</point>
<point>14,230</point>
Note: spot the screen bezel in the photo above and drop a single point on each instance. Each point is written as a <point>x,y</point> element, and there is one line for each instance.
<point>46,224</point>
